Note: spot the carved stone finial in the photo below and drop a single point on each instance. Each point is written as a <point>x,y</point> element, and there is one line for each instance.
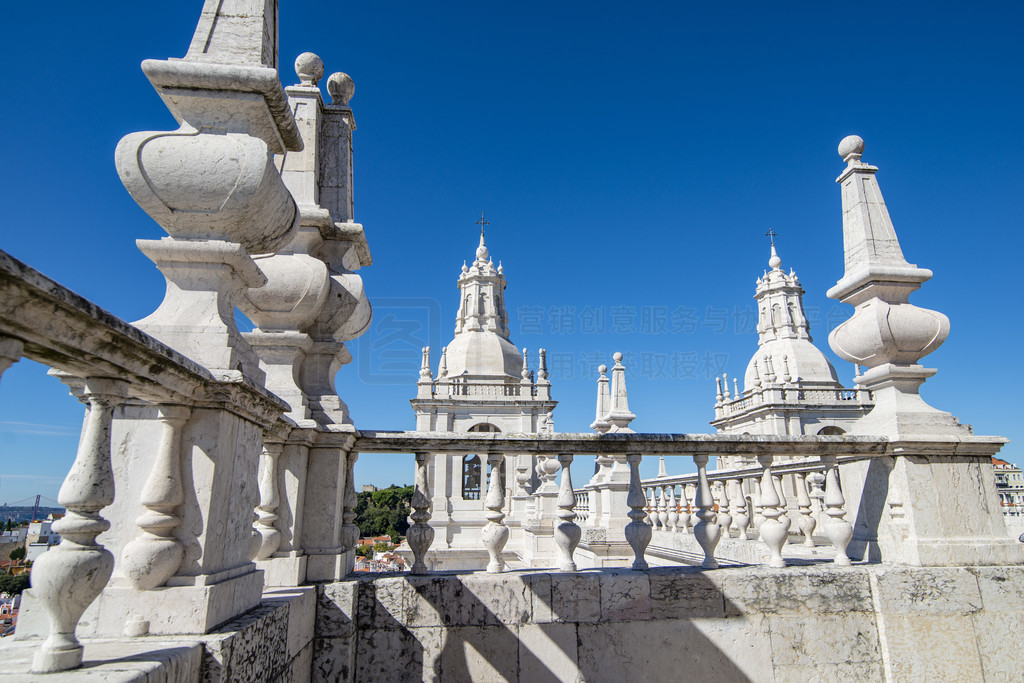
<point>309,68</point>
<point>341,88</point>
<point>851,148</point>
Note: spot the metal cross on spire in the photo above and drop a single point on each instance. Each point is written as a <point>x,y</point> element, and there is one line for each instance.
<point>771,234</point>
<point>482,222</point>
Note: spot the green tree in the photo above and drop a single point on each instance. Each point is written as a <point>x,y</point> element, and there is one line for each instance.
<point>13,585</point>
<point>18,553</point>
<point>384,512</point>
<point>363,550</point>
<point>381,547</point>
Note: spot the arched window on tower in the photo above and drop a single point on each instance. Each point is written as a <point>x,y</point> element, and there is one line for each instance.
<point>830,431</point>
<point>471,477</point>
<point>471,467</point>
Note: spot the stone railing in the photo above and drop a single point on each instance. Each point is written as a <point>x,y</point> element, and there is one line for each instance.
<point>459,388</point>
<point>612,511</point>
<point>774,395</point>
<point>770,503</point>
<point>582,506</point>
<point>608,522</point>
<point>168,419</point>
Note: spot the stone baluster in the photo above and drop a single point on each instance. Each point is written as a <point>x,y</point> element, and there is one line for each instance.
<point>567,533</point>
<point>755,499</point>
<point>816,482</point>
<point>651,507</point>
<point>706,531</point>
<point>773,530</point>
<point>495,533</point>
<point>689,493</point>
<point>420,535</point>
<point>349,530</point>
<point>803,502</point>
<point>839,530</point>
<point>684,510</point>
<point>662,508</point>
<point>10,352</point>
<point>638,534</point>
<point>69,577</point>
<point>724,516</point>
<point>266,512</point>
<point>738,507</point>
<point>783,503</point>
<point>156,555</point>
<point>673,509</point>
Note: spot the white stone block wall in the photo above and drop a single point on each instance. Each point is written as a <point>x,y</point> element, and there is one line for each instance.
<point>742,623</point>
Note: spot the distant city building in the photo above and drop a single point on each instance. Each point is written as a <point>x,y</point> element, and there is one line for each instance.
<point>369,488</point>
<point>1010,487</point>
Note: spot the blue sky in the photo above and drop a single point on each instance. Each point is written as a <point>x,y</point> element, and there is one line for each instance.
<point>630,160</point>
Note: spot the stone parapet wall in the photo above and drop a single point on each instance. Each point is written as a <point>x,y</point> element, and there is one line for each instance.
<point>733,624</point>
<point>273,642</point>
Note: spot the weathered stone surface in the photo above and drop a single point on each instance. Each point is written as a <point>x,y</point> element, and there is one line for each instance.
<point>678,595</point>
<point>576,597</point>
<point>931,647</point>
<point>489,653</point>
<point>539,588</point>
<point>625,596</point>
<point>300,668</point>
<point>333,659</point>
<point>769,591</point>
<point>720,650</point>
<point>253,646</point>
<point>1002,588</point>
<point>947,590</point>
<point>432,643</point>
<point>424,601</point>
<point>335,608</point>
<point>387,655</point>
<point>142,661</point>
<point>506,597</point>
<point>1000,638</point>
<point>547,652</point>
<point>838,646</point>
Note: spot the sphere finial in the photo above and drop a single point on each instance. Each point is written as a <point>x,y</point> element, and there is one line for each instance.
<point>309,68</point>
<point>851,148</point>
<point>341,88</point>
<point>617,357</point>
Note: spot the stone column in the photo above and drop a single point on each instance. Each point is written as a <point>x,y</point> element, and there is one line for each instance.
<point>637,532</point>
